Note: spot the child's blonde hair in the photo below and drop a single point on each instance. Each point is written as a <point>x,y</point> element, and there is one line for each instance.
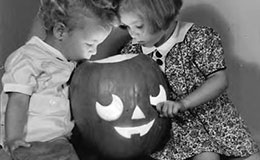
<point>70,13</point>
<point>159,13</point>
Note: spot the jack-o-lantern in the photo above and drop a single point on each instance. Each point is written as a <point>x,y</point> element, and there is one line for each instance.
<point>113,105</point>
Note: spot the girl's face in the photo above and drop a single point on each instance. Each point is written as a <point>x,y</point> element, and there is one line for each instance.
<point>81,43</point>
<point>139,29</point>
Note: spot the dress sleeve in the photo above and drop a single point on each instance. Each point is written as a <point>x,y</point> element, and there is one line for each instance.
<point>20,74</point>
<point>208,51</point>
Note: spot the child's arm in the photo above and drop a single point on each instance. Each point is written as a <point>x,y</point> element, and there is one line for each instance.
<point>212,87</point>
<point>15,120</point>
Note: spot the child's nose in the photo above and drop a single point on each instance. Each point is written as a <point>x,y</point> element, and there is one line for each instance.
<point>93,50</point>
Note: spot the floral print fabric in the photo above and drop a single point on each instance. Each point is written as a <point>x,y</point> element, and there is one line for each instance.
<point>215,126</point>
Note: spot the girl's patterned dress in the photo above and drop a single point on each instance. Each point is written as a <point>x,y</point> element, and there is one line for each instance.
<point>215,126</point>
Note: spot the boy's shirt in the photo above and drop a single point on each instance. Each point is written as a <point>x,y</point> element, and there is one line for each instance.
<point>39,70</point>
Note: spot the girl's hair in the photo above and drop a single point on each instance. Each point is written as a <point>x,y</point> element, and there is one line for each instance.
<point>71,12</point>
<point>159,13</point>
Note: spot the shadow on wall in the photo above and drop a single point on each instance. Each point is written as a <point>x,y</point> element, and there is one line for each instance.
<point>112,44</point>
<point>244,76</point>
<point>15,22</point>
<point>16,19</point>
<point>207,15</point>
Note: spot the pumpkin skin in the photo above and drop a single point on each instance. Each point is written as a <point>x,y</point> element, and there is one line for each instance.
<point>132,81</point>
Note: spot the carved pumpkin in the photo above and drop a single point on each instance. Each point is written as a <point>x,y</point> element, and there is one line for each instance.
<point>112,105</point>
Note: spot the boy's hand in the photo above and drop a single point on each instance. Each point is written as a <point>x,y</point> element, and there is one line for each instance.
<point>169,108</point>
<point>14,144</point>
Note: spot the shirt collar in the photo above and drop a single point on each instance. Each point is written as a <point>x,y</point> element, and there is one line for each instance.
<point>177,36</point>
<point>51,50</point>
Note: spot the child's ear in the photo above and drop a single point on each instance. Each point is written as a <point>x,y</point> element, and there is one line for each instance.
<point>59,31</point>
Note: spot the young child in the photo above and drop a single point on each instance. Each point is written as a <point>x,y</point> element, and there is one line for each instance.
<point>205,123</point>
<point>36,74</point>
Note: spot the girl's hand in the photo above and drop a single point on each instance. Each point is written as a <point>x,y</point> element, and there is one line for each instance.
<point>14,144</point>
<point>169,108</point>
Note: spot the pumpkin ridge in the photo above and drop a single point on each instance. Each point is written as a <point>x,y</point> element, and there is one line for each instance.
<point>133,80</point>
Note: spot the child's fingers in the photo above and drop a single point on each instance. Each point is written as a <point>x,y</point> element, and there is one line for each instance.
<point>165,109</point>
<point>175,109</point>
<point>19,143</point>
<point>159,108</point>
<point>170,111</point>
<point>16,145</point>
<point>24,144</point>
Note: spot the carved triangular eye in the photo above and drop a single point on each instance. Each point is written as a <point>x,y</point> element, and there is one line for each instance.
<point>161,97</point>
<point>111,112</point>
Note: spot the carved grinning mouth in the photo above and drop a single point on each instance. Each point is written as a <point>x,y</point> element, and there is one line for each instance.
<point>127,132</point>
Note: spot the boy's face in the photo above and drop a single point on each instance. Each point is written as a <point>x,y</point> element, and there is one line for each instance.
<point>139,29</point>
<point>81,43</point>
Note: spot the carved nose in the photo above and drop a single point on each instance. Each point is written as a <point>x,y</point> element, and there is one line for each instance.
<point>138,114</point>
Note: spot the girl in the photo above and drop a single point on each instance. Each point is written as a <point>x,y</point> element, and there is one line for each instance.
<point>36,75</point>
<point>205,123</point>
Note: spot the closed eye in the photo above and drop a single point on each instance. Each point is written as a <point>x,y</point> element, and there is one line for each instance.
<point>88,44</point>
<point>161,97</point>
<point>111,112</point>
<point>140,26</point>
